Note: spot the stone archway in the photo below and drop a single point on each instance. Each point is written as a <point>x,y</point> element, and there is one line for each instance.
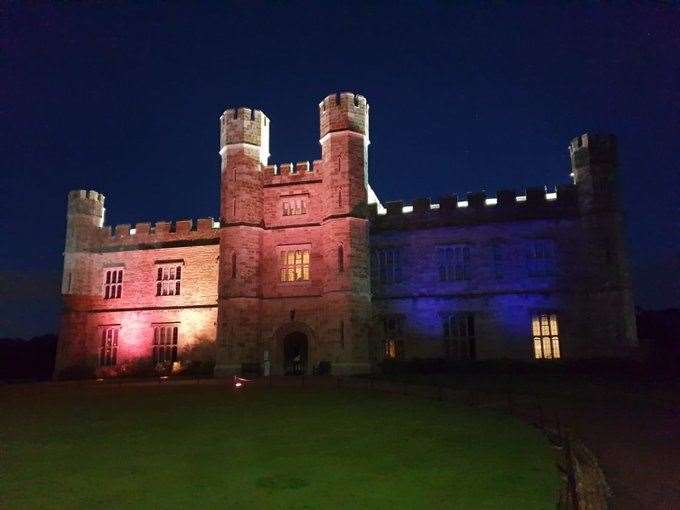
<point>295,353</point>
<point>290,340</point>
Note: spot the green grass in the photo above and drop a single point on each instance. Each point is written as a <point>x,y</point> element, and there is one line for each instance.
<point>208,447</point>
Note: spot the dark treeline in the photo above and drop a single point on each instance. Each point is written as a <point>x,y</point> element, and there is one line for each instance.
<point>32,359</point>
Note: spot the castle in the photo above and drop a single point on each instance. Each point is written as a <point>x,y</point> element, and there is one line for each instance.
<point>307,269</point>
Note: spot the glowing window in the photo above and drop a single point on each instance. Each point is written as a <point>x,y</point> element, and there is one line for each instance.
<point>393,343</point>
<point>294,206</point>
<point>168,280</point>
<point>294,265</point>
<point>113,283</point>
<point>545,334</point>
<point>108,347</point>
<point>541,257</point>
<point>459,336</point>
<point>165,343</point>
<point>386,265</point>
<point>454,263</point>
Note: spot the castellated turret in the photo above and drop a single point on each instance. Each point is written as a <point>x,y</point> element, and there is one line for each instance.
<point>594,163</point>
<point>344,139</point>
<point>343,112</point>
<point>84,216</point>
<point>84,219</point>
<point>245,126</point>
<point>244,148</point>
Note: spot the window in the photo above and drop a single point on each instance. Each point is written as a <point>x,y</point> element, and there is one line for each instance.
<point>341,260</point>
<point>497,250</point>
<point>108,347</point>
<point>386,265</point>
<point>393,345</point>
<point>168,280</point>
<point>294,265</point>
<point>165,343</point>
<point>459,336</point>
<point>541,257</point>
<point>233,265</point>
<point>454,263</point>
<point>546,336</point>
<point>294,206</point>
<point>113,283</point>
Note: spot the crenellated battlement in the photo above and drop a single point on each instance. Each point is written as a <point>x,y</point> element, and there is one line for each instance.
<point>150,234</point>
<point>284,173</point>
<point>343,112</point>
<point>343,100</point>
<point>81,194</point>
<point>477,207</point>
<point>85,210</point>
<point>243,113</point>
<point>593,148</point>
<point>245,126</point>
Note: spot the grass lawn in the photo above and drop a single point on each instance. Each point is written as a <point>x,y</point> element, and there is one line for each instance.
<point>208,447</point>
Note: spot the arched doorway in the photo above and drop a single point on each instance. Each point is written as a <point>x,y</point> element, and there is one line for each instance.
<point>295,353</point>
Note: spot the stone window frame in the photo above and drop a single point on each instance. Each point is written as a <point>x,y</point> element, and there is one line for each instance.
<point>112,281</point>
<point>305,268</point>
<point>386,265</point>
<point>165,342</point>
<point>541,257</point>
<point>109,336</point>
<point>460,329</point>
<point>454,262</point>
<point>168,277</point>
<point>393,335</point>
<point>293,205</point>
<point>545,331</point>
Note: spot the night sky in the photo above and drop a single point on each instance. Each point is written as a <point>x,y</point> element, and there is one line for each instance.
<point>125,100</point>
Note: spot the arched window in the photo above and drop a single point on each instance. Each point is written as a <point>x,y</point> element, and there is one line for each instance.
<point>341,260</point>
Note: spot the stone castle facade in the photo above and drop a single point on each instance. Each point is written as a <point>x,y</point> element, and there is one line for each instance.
<point>306,268</point>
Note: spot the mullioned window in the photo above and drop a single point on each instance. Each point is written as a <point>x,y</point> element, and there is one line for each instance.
<point>113,283</point>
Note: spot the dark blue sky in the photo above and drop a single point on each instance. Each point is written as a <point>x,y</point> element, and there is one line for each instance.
<point>125,100</point>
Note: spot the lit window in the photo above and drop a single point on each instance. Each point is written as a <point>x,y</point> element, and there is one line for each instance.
<point>545,336</point>
<point>113,283</point>
<point>392,343</point>
<point>386,265</point>
<point>294,206</point>
<point>165,343</point>
<point>459,336</point>
<point>108,347</point>
<point>541,257</point>
<point>294,265</point>
<point>168,280</point>
<point>454,263</point>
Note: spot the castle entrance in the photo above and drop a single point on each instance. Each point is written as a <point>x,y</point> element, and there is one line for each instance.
<point>295,350</point>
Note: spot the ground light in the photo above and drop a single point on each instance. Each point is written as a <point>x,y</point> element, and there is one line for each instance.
<point>240,382</point>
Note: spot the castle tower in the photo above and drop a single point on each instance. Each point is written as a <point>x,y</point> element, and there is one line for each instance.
<point>84,218</point>
<point>344,143</point>
<point>244,148</point>
<point>344,151</point>
<point>594,166</point>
